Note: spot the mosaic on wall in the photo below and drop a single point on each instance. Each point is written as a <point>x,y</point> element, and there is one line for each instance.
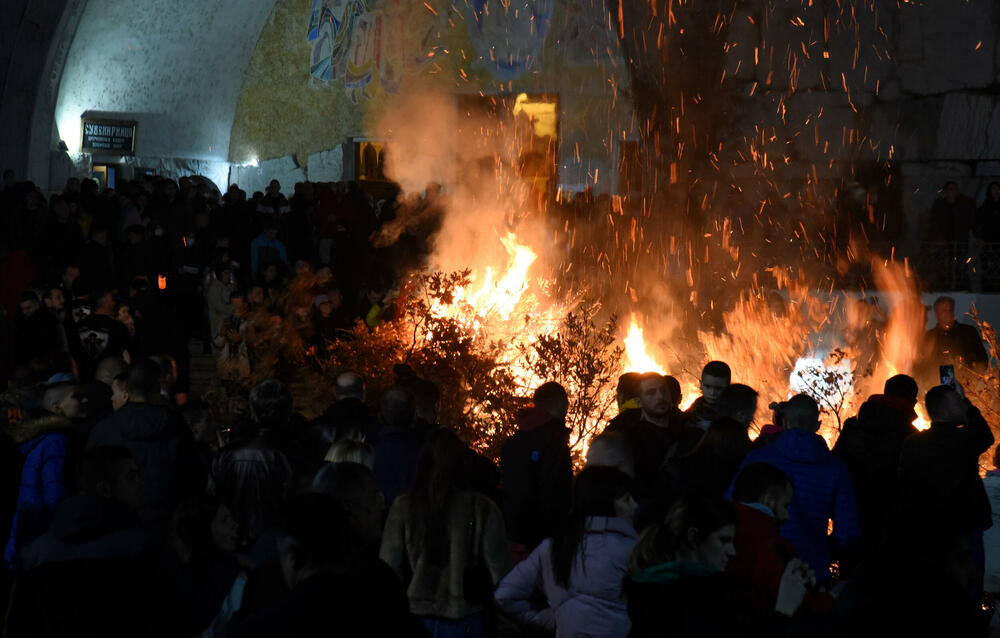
<point>327,70</point>
<point>370,45</point>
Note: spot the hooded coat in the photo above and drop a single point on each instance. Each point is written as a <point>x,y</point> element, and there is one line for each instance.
<point>537,477</point>
<point>44,443</point>
<point>869,445</point>
<point>823,490</point>
<point>592,602</point>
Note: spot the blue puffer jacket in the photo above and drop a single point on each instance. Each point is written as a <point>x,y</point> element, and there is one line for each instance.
<point>396,455</point>
<point>823,491</point>
<point>43,446</point>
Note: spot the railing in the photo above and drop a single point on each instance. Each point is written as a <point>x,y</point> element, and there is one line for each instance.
<point>959,265</point>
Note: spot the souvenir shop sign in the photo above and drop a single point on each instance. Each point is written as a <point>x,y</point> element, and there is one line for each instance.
<point>108,137</point>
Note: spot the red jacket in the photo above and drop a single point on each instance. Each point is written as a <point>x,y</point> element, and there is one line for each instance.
<point>761,556</point>
<point>756,570</point>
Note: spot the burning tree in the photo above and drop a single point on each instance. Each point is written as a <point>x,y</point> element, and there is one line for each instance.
<point>582,356</point>
<point>831,384</point>
<point>486,358</point>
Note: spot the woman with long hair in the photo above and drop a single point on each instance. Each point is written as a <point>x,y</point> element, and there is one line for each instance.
<point>447,543</point>
<point>677,585</point>
<point>580,570</point>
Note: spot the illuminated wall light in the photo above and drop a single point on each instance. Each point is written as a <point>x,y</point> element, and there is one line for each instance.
<point>69,125</point>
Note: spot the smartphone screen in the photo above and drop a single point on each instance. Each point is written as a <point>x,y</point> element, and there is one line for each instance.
<point>947,375</point>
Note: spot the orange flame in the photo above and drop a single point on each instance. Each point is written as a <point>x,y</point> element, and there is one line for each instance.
<point>637,358</point>
<point>495,298</point>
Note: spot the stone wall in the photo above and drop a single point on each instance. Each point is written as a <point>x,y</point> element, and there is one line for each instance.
<point>914,85</point>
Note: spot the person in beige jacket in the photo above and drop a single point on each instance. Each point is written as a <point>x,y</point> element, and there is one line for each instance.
<point>447,543</point>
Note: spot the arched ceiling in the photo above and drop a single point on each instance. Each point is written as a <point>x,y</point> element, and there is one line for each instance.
<point>175,66</point>
<point>183,70</point>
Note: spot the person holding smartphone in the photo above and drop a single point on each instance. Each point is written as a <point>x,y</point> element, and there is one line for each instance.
<point>939,468</point>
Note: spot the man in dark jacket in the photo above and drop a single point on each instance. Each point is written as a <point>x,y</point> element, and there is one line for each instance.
<point>869,444</point>
<point>160,441</point>
<point>99,335</point>
<point>253,476</point>
<point>661,432</point>
<point>950,216</point>
<point>951,341</point>
<point>939,468</point>
<point>537,470</point>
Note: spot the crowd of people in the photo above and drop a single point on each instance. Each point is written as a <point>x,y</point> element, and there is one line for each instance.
<point>130,510</point>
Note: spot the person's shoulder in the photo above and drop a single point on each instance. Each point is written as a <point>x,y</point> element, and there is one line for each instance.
<point>763,454</point>
<point>967,327</point>
<point>694,407</point>
<point>481,505</point>
<point>624,421</point>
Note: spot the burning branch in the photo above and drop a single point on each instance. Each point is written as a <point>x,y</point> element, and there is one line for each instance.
<point>583,357</point>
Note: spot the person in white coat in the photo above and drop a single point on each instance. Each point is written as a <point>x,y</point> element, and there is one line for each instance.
<point>580,571</point>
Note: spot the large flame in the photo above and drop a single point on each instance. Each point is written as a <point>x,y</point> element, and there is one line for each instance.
<point>637,357</point>
<point>494,299</point>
